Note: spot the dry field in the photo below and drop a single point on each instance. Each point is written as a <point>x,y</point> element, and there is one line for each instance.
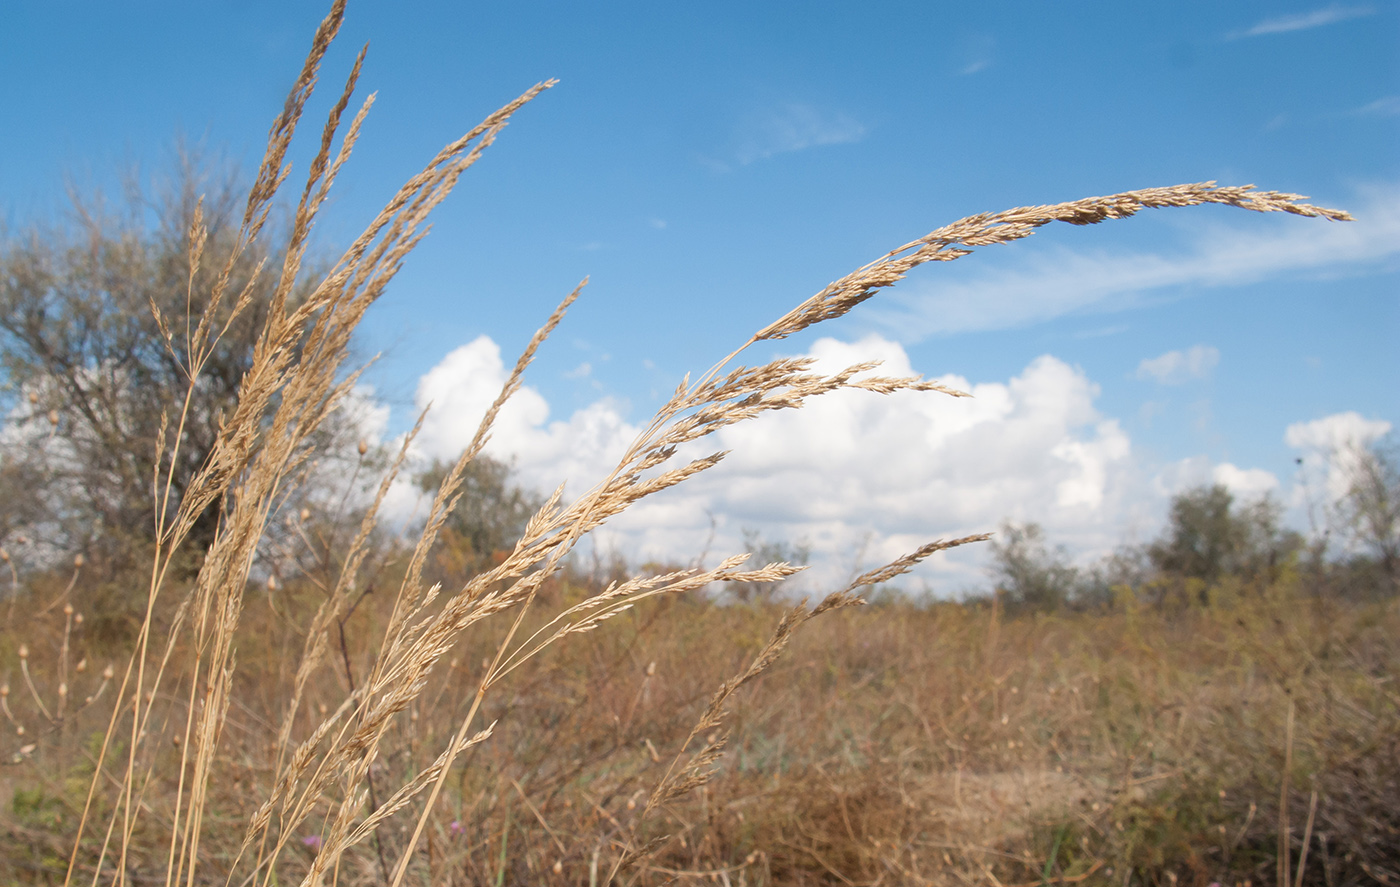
<point>893,744</point>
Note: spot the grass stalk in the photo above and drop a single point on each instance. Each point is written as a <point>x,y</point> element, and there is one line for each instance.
<point>297,379</point>
<point>1285,836</point>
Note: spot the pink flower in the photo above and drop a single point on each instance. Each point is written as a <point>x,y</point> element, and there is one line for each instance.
<point>455,827</point>
<point>312,841</point>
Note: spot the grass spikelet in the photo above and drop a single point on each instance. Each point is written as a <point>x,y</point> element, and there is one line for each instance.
<point>322,764</point>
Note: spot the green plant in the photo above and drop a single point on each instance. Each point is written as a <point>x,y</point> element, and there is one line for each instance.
<point>1032,575</point>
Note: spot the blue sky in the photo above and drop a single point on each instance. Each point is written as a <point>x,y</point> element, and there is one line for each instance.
<point>710,165</point>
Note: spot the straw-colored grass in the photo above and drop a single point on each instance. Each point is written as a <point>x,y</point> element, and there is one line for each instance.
<point>894,744</point>
<point>196,749</point>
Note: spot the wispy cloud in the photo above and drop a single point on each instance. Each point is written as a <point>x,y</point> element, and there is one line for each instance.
<point>1176,367</point>
<point>1102,331</point>
<point>1303,21</point>
<point>1388,106</point>
<point>976,53</point>
<point>1054,283</point>
<point>795,127</point>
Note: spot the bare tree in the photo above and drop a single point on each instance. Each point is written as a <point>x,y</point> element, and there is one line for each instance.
<point>1370,508</point>
<point>90,380</point>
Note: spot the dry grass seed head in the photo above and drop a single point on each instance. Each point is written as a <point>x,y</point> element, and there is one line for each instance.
<point>297,363</point>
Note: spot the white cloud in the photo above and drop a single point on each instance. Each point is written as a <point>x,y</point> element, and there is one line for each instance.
<point>463,385</point>
<point>1053,283</point>
<point>1335,432</point>
<point>795,127</point>
<point>1247,483</point>
<point>856,471</point>
<point>1329,448</point>
<point>1304,20</point>
<point>905,469</point>
<point>363,411</point>
<point>1176,367</point>
<point>1199,471</point>
<point>898,470</point>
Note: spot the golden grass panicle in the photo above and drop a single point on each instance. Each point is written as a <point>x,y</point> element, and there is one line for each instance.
<point>297,379</point>
<point>956,240</point>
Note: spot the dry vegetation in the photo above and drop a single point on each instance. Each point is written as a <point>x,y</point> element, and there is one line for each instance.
<point>371,724</point>
<point>894,744</point>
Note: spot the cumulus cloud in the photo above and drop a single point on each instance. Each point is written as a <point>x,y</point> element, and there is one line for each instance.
<point>362,410</point>
<point>1304,21</point>
<point>1176,367</point>
<point>851,468</point>
<point>1198,471</point>
<point>902,470</point>
<point>795,127</point>
<point>1329,448</point>
<point>462,387</point>
<point>1248,483</point>
<point>1053,283</point>
<point>859,477</point>
<point>1334,432</point>
<point>544,452</point>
